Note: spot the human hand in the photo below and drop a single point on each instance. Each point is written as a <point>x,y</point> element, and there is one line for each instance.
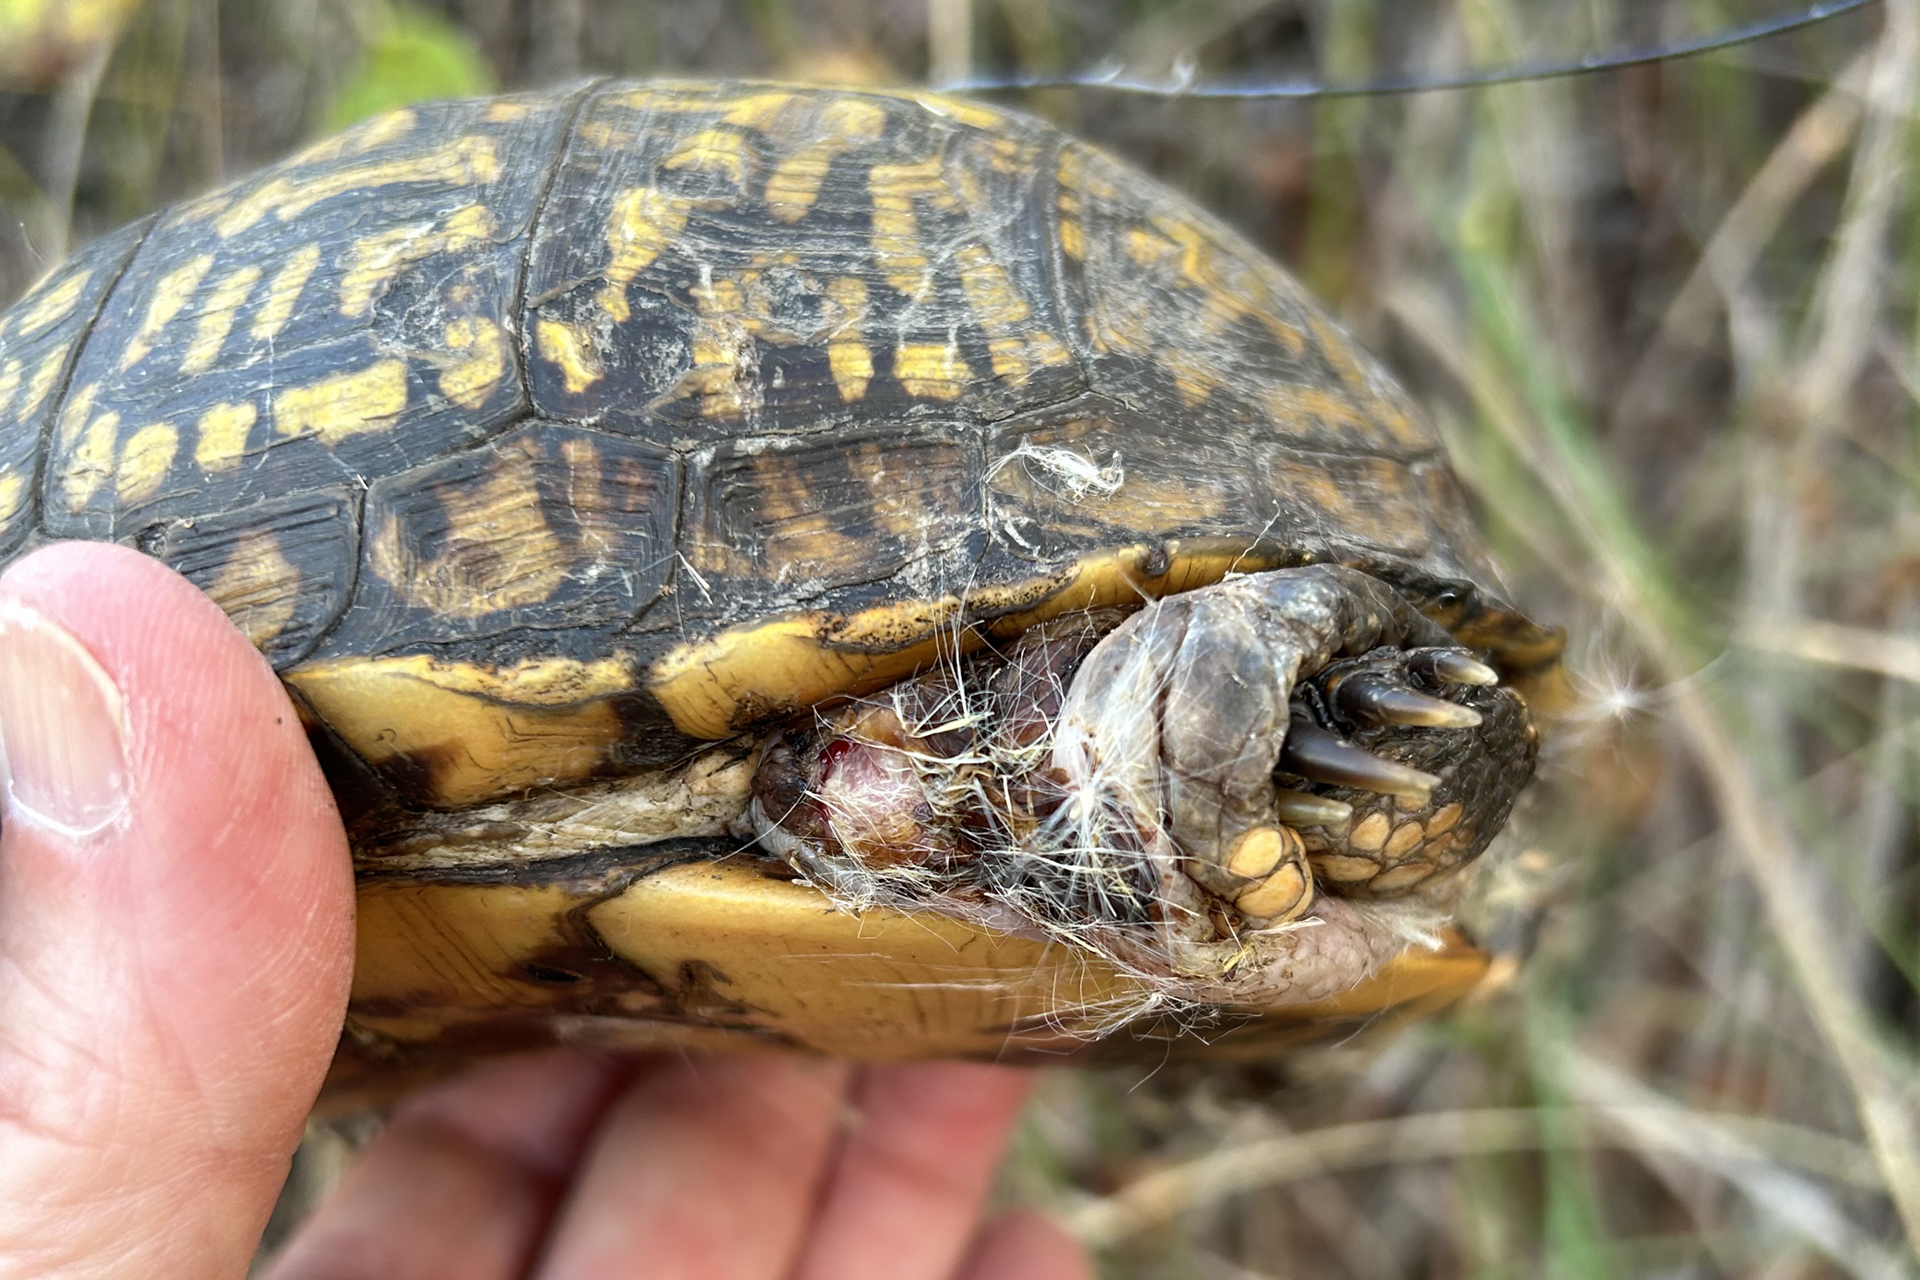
<point>175,946</point>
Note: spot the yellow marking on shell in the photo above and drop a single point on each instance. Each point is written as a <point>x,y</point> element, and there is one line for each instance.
<point>9,383</point>
<point>145,460</point>
<point>848,356</point>
<point>754,110</point>
<point>1012,156</point>
<point>896,191</point>
<point>725,152</point>
<point>347,404</point>
<point>494,551</point>
<point>1332,410</point>
<point>795,182</point>
<point>74,417</point>
<point>201,208</point>
<point>1229,287</point>
<point>570,347</point>
<point>720,378</point>
<point>216,321</point>
<point>1016,346</point>
<point>720,297</point>
<point>1370,498</point>
<point>1145,497</point>
<point>257,587</point>
<point>597,532</point>
<point>220,437</point>
<point>644,221</point>
<point>485,730</point>
<point>283,292</point>
<point>13,495</point>
<point>1070,172</point>
<point>380,257</point>
<point>504,112</point>
<point>931,370</point>
<point>387,127</point>
<point>44,377</point>
<point>1371,407</point>
<point>368,135</point>
<point>471,380</point>
<point>465,162</point>
<point>91,462</point>
<point>170,294</point>
<point>798,661</point>
<point>52,307</point>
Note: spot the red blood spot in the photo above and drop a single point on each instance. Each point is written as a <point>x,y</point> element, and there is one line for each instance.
<point>831,754</point>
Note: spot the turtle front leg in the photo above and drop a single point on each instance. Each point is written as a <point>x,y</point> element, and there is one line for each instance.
<point>1287,726</point>
<point>1178,788</point>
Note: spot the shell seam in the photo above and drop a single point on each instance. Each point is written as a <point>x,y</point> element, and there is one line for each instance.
<point>58,402</point>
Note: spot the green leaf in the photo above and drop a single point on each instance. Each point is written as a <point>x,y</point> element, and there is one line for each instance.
<point>413,56</point>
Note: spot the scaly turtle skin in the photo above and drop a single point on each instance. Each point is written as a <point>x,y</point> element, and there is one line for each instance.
<point>576,457</point>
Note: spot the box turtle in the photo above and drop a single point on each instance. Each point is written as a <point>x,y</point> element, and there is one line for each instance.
<point>852,570</point>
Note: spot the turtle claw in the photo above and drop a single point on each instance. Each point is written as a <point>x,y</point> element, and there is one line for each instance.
<point>1320,756</point>
<point>1371,698</point>
<point>1302,809</point>
<point>1454,666</point>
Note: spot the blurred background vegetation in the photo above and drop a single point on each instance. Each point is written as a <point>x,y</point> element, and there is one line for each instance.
<point>1666,317</point>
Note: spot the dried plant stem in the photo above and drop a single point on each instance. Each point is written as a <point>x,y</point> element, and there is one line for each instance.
<point>1818,137</point>
<point>949,40</point>
<point>1714,1140</point>
<point>66,136</point>
<point>1834,644</point>
<point>1846,306</point>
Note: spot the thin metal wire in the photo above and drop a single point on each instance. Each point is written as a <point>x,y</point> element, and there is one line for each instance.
<point>1114,79</point>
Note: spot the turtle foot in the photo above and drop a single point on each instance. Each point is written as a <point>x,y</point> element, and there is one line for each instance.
<point>1202,771</point>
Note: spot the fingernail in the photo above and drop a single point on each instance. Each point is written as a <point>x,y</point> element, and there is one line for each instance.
<point>63,731</point>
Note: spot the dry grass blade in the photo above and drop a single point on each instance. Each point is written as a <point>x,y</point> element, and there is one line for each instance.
<point>1719,1142</point>
<point>1836,645</point>
<point>1818,137</point>
<point>1756,1158</point>
<point>1847,306</point>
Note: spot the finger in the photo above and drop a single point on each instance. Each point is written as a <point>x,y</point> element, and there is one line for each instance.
<point>1024,1245</point>
<point>176,922</point>
<point>462,1182</point>
<point>906,1191</point>
<point>705,1169</point>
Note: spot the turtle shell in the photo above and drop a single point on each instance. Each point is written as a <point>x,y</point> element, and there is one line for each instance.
<point>538,440</point>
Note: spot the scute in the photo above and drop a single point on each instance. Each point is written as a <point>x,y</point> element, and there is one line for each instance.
<point>780,524</point>
<point>338,316</point>
<point>1177,312</point>
<point>39,338</point>
<point>713,243</point>
<point>282,570</point>
<point>549,528</point>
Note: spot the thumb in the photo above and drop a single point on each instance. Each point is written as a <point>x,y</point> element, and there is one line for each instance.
<point>176,923</point>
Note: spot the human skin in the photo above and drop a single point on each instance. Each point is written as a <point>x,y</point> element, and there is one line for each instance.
<point>176,936</point>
